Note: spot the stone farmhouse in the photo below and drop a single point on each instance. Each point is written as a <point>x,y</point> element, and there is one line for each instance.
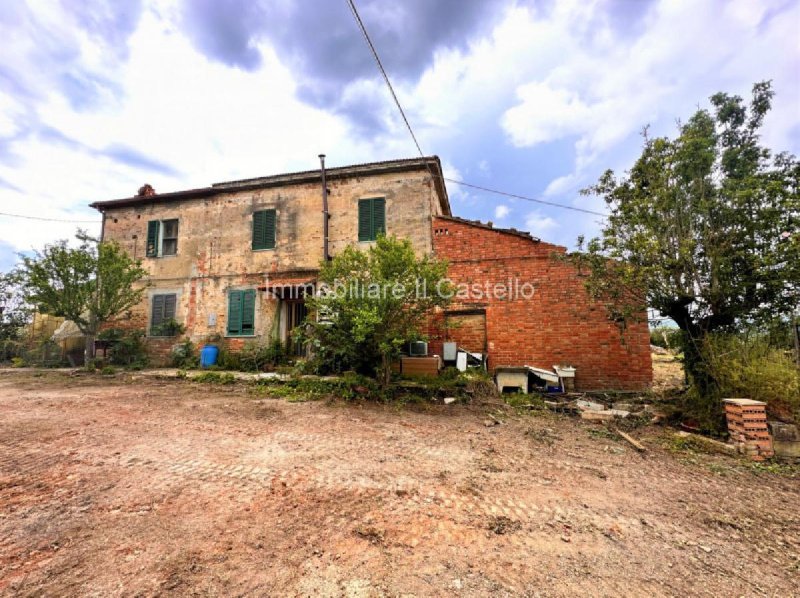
<point>234,259</point>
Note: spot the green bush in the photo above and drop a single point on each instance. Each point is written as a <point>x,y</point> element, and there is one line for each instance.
<point>229,360</point>
<point>108,370</point>
<point>184,355</point>
<point>748,366</point>
<point>9,349</point>
<point>257,357</point>
<point>666,338</point>
<point>128,348</point>
<point>215,378</point>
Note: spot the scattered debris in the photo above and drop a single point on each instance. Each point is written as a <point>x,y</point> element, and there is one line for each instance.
<point>449,400</point>
<point>785,440</point>
<point>500,524</point>
<point>708,443</point>
<point>747,425</point>
<point>635,443</point>
<point>372,534</point>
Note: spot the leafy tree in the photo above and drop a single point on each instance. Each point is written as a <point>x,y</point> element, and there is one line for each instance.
<point>89,284</point>
<point>704,228</point>
<point>13,310</point>
<point>372,302</point>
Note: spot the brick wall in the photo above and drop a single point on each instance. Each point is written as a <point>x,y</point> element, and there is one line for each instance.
<point>560,324</point>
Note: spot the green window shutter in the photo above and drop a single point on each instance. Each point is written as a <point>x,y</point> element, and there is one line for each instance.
<point>157,315</point>
<point>248,311</point>
<point>371,218</point>
<point>235,312</point>
<point>152,238</point>
<point>378,217</point>
<point>269,229</point>
<point>259,227</point>
<point>264,229</point>
<point>365,220</point>
<point>170,302</point>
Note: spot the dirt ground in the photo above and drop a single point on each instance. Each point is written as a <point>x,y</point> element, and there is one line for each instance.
<point>147,487</point>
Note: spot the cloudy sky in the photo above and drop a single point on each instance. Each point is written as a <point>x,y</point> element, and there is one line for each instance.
<point>535,98</point>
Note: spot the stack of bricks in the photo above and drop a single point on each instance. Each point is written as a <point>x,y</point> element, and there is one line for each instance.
<point>747,425</point>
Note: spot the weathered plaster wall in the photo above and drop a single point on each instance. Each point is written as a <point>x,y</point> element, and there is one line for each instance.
<point>214,242</point>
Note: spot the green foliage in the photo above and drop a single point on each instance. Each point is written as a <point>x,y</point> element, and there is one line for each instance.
<point>215,378</point>
<point>89,284</point>
<point>229,360</point>
<point>703,228</point>
<point>258,357</point>
<point>184,355</point>
<point>666,338</point>
<point>350,386</point>
<point>747,366</point>
<point>128,348</point>
<point>14,314</point>
<point>168,328</point>
<point>108,370</point>
<point>374,302</point>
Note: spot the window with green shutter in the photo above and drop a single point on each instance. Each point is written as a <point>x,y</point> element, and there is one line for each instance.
<point>264,229</point>
<point>241,312</point>
<point>162,238</point>
<point>371,218</point>
<point>153,229</point>
<point>162,315</point>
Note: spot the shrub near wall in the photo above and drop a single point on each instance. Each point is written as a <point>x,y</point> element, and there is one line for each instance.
<point>747,366</point>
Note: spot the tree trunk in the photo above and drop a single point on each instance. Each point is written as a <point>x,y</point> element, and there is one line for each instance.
<point>386,371</point>
<point>88,351</point>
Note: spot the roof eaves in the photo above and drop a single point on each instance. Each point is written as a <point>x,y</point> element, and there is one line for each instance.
<point>489,226</point>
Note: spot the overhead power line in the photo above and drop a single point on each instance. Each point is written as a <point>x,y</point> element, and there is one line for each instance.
<point>374,51</point>
<point>526,198</point>
<point>41,218</point>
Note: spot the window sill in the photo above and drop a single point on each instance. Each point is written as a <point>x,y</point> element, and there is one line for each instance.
<point>241,335</point>
<point>264,249</point>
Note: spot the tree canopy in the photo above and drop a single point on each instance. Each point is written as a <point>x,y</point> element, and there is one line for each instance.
<point>372,302</point>
<point>705,227</point>
<point>89,284</point>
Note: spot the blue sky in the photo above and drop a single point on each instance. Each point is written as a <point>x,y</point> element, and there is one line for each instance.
<point>535,98</point>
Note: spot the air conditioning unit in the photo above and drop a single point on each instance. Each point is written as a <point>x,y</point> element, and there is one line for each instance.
<point>418,349</point>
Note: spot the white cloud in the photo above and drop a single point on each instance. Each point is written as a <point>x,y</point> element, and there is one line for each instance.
<point>540,224</point>
<point>604,91</point>
<point>501,211</point>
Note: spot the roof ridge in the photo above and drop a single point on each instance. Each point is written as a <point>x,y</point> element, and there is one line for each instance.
<point>490,226</point>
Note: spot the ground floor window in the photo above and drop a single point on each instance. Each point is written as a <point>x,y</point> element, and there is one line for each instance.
<point>162,315</point>
<point>241,312</point>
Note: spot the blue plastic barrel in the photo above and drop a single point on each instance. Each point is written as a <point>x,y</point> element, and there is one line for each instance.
<point>208,356</point>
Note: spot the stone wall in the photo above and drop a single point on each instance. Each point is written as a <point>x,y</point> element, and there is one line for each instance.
<point>214,243</point>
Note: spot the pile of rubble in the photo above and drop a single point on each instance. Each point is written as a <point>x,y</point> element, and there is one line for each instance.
<point>594,411</point>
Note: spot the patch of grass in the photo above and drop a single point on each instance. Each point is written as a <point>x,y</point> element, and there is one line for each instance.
<point>602,433</point>
<point>791,470</point>
<point>215,378</point>
<point>108,370</point>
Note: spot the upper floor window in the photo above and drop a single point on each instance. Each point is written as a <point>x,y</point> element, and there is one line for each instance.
<point>162,238</point>
<point>264,229</point>
<point>371,218</point>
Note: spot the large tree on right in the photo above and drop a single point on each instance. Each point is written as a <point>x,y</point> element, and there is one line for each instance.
<point>705,228</point>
